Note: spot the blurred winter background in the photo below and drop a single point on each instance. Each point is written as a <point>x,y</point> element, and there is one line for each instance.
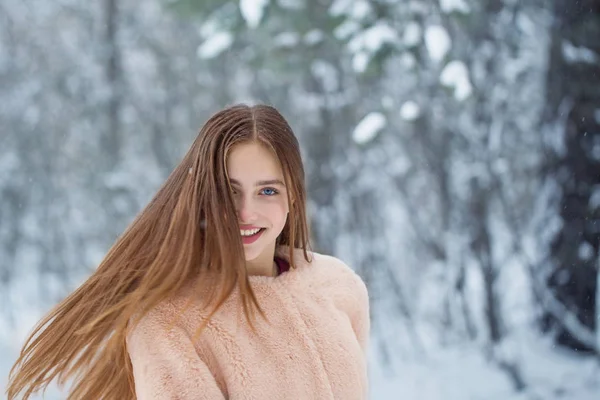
<point>452,150</point>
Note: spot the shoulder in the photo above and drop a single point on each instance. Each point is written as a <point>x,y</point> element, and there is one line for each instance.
<point>339,276</point>
<point>335,267</point>
<point>153,324</point>
<point>326,272</point>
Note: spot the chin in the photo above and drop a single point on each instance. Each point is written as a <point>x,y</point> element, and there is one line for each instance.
<point>252,254</point>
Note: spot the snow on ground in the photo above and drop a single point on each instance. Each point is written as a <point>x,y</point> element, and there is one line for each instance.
<point>464,374</point>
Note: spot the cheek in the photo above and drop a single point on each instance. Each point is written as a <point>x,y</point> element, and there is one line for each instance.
<point>277,212</point>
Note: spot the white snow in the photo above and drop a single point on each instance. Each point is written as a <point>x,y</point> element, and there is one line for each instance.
<point>346,29</point>
<point>215,45</point>
<point>594,202</point>
<point>286,39</point>
<point>410,111</point>
<point>360,9</point>
<point>339,7</point>
<point>586,251</point>
<point>291,4</point>
<point>598,301</point>
<point>412,34</point>
<point>252,11</point>
<point>574,54</point>
<point>355,9</point>
<point>437,42</point>
<point>526,25</point>
<point>9,162</point>
<point>462,372</point>
<point>595,149</point>
<point>208,28</point>
<point>368,128</point>
<point>399,166</point>
<point>313,37</point>
<point>456,75</point>
<point>373,38</point>
<point>387,102</point>
<point>407,60</point>
<point>360,61</point>
<point>449,6</point>
<point>326,73</point>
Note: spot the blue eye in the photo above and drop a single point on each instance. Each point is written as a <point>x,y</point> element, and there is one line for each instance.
<point>269,191</point>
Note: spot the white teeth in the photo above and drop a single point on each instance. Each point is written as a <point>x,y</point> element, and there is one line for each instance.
<point>249,232</point>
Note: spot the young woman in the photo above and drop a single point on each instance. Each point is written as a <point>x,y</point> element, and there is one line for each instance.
<point>170,313</point>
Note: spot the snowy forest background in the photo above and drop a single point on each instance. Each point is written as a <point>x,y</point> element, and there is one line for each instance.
<point>452,150</point>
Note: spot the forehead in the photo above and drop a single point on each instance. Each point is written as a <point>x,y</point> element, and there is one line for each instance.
<point>250,162</point>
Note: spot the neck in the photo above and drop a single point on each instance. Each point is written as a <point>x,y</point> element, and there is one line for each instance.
<point>264,264</point>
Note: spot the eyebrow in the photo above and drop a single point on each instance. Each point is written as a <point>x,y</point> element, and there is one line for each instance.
<point>260,183</point>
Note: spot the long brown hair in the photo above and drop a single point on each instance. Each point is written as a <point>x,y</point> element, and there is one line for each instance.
<point>189,227</point>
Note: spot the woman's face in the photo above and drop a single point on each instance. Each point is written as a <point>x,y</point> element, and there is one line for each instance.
<point>260,195</point>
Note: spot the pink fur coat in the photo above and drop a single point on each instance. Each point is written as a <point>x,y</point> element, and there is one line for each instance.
<point>313,348</point>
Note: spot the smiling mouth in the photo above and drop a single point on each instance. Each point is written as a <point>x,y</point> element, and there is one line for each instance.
<point>252,237</point>
<point>250,232</point>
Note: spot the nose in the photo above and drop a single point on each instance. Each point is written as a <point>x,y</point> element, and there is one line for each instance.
<point>246,210</point>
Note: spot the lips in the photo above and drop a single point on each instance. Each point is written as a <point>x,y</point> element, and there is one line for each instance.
<point>249,232</point>
<point>249,227</point>
<point>253,238</point>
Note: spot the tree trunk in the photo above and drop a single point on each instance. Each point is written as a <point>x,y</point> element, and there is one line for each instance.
<point>574,77</point>
<point>482,249</point>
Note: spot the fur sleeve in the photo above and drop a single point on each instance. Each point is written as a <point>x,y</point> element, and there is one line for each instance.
<point>354,299</point>
<point>166,365</point>
<point>361,316</point>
